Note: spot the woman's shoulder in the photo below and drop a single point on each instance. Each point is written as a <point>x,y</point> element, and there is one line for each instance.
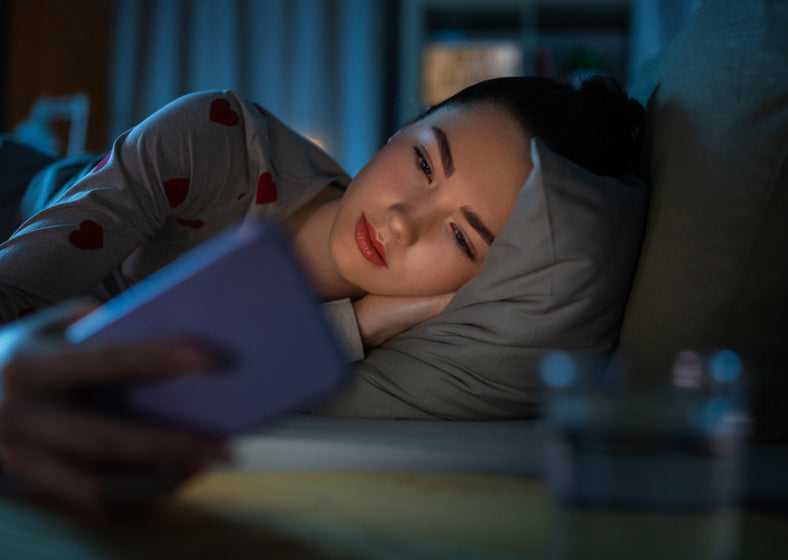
<point>219,106</point>
<point>213,119</point>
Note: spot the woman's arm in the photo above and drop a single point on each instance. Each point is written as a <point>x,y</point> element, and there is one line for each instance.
<point>373,319</point>
<point>62,448</point>
<point>160,186</point>
<point>382,317</point>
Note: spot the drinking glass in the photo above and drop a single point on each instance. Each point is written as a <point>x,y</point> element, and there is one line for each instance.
<point>647,471</point>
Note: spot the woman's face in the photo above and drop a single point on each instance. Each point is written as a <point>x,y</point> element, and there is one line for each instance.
<point>419,218</point>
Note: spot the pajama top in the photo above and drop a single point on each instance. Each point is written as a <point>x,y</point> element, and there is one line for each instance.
<point>205,161</point>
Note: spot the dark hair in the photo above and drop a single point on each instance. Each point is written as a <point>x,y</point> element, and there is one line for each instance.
<point>595,125</point>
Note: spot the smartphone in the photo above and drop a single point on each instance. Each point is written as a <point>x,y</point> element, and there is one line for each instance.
<point>242,295</point>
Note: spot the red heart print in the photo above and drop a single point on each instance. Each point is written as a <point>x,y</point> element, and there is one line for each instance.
<point>222,113</point>
<point>176,190</point>
<point>195,224</point>
<point>266,189</point>
<point>89,236</point>
<point>101,164</point>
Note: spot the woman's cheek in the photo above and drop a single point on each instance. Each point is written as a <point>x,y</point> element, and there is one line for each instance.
<point>442,275</point>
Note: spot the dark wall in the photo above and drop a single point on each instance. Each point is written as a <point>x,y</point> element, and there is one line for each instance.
<point>56,47</point>
<point>4,28</point>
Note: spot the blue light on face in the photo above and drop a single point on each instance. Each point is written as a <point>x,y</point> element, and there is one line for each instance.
<point>558,369</point>
<point>726,366</point>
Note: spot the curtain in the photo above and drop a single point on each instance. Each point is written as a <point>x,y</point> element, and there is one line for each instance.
<point>319,65</point>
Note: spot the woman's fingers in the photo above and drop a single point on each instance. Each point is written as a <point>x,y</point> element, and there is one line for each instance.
<point>95,463</point>
<point>64,366</point>
<point>72,452</point>
<point>33,355</point>
<point>53,475</point>
<point>96,438</point>
<point>52,320</point>
<point>381,317</point>
<point>90,489</point>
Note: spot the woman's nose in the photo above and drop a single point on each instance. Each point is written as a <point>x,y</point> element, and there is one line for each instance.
<point>401,223</point>
<point>409,220</point>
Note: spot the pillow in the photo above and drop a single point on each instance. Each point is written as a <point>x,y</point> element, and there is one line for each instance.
<point>556,277</point>
<point>714,268</point>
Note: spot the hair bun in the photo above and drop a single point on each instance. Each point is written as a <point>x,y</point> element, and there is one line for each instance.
<point>622,114</point>
<point>608,95</point>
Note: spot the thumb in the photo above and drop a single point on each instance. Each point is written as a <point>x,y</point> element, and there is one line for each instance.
<point>56,318</point>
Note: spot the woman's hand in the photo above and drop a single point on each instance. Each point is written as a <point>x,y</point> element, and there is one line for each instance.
<point>381,317</point>
<point>98,463</point>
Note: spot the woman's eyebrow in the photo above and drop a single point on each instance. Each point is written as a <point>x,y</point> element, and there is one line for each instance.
<point>445,151</point>
<point>477,224</point>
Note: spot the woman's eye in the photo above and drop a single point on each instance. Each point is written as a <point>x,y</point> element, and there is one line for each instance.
<point>462,243</point>
<point>422,163</point>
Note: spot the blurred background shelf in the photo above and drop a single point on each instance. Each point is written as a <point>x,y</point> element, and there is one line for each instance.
<point>347,73</point>
<point>446,45</point>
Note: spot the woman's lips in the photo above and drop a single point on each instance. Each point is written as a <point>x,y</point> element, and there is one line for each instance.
<point>368,244</point>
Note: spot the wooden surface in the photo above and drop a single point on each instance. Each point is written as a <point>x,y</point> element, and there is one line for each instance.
<point>299,515</point>
<point>346,515</point>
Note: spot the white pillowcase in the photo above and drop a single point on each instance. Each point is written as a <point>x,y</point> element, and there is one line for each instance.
<point>557,277</point>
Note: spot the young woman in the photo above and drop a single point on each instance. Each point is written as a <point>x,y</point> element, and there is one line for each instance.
<point>390,246</point>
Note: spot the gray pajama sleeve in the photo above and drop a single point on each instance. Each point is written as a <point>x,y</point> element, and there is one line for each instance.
<point>342,318</point>
<point>198,165</point>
